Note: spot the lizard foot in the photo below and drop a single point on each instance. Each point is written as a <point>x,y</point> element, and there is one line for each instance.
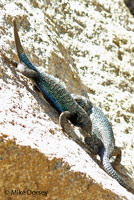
<point>117,153</point>
<point>19,67</point>
<point>8,60</point>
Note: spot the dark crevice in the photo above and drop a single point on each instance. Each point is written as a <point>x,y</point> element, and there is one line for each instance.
<point>130,5</point>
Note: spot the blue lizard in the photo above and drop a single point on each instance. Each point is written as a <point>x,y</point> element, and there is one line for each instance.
<point>51,89</point>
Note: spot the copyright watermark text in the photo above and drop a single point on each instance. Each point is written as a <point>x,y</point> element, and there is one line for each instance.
<point>26,192</point>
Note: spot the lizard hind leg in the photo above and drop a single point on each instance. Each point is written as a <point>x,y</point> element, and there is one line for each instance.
<point>20,67</point>
<point>117,152</point>
<point>8,60</point>
<point>30,73</point>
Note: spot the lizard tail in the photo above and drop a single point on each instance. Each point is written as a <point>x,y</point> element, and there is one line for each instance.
<point>19,47</point>
<point>109,169</point>
<point>21,54</point>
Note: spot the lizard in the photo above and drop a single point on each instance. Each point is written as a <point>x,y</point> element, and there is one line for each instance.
<point>51,89</point>
<point>78,110</point>
<point>102,140</point>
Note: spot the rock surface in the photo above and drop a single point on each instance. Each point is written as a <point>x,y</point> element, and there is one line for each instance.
<point>89,46</point>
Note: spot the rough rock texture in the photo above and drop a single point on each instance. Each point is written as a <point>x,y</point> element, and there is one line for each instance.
<point>89,46</point>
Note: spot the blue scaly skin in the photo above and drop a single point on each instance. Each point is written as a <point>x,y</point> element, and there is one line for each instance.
<point>52,90</point>
<point>102,140</point>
